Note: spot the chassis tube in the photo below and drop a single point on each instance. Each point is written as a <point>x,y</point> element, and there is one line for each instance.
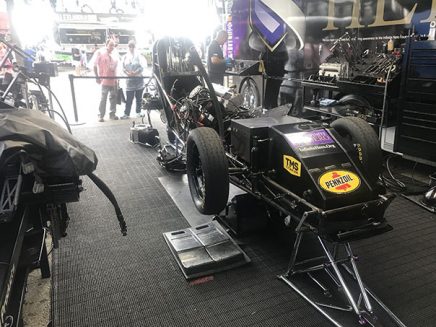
<point>315,305</point>
<point>161,87</point>
<point>359,280</point>
<point>377,299</point>
<point>293,195</point>
<point>272,203</point>
<point>339,275</point>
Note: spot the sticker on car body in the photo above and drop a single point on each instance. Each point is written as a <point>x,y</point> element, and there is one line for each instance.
<point>317,140</point>
<point>292,165</point>
<point>339,181</point>
<point>316,137</point>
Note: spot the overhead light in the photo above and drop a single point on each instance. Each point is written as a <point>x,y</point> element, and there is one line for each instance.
<point>33,22</point>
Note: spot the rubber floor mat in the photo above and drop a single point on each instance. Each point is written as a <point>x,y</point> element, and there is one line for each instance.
<point>101,278</point>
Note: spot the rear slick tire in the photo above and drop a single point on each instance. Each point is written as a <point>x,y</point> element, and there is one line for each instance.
<point>207,170</point>
<point>366,142</point>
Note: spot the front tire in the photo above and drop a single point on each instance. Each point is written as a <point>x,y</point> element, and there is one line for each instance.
<point>207,170</point>
<point>366,142</point>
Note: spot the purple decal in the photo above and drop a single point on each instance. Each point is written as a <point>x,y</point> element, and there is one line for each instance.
<point>266,23</point>
<point>318,137</point>
<point>240,23</point>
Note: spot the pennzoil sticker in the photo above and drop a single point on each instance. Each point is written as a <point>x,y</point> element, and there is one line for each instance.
<point>292,165</point>
<point>339,181</point>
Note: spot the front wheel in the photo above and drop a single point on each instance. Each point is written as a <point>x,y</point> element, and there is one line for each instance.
<point>207,170</point>
<point>359,133</point>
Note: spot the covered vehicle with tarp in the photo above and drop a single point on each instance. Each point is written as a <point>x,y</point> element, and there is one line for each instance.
<point>41,166</point>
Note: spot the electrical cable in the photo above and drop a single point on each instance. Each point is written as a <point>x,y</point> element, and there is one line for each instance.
<point>57,100</point>
<point>41,90</point>
<point>26,55</point>
<point>393,183</point>
<point>65,119</point>
<point>399,183</point>
<point>384,103</point>
<point>111,197</point>
<point>60,106</point>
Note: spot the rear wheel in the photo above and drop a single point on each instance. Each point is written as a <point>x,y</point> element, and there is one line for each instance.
<point>250,93</point>
<point>366,142</point>
<point>356,106</point>
<point>207,170</point>
<point>356,100</point>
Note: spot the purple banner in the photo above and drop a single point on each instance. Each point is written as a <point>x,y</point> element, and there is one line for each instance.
<point>240,27</point>
<point>266,23</point>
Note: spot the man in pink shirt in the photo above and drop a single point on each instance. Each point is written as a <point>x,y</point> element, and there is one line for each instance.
<point>105,65</point>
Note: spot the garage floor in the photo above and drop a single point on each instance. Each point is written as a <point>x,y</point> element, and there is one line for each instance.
<point>103,279</point>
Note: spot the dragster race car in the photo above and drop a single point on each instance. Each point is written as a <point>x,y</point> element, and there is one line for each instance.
<point>322,178</point>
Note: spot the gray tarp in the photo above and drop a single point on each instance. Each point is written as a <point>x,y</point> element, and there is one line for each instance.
<point>54,151</point>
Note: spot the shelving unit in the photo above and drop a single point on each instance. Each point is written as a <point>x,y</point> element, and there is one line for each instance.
<point>313,91</point>
<point>416,132</point>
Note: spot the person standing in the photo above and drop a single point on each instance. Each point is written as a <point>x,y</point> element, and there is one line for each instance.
<point>216,63</point>
<point>105,65</point>
<point>7,65</point>
<point>76,55</point>
<point>133,66</point>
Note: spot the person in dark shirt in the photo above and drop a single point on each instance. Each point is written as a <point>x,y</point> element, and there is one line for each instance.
<point>76,55</point>
<point>216,63</point>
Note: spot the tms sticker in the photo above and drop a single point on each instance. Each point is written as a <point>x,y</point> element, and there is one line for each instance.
<point>339,181</point>
<point>292,165</point>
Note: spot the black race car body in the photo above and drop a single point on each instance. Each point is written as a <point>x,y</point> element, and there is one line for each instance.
<point>304,167</point>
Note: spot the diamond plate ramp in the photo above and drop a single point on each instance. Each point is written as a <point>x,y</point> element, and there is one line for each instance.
<point>205,249</point>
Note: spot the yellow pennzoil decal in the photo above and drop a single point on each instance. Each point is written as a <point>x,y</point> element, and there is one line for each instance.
<point>339,181</point>
<point>292,165</point>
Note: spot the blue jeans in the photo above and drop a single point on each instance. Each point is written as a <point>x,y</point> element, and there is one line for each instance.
<point>129,100</point>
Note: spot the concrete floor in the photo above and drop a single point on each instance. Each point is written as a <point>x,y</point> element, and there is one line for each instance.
<point>36,309</point>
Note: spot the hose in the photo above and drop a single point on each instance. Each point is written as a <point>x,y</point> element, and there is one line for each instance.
<point>60,107</point>
<point>64,118</point>
<point>385,94</point>
<point>106,191</point>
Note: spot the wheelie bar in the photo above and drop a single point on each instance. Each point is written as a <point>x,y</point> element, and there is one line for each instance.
<point>362,309</point>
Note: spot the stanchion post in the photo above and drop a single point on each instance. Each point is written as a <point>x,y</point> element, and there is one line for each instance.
<point>73,94</point>
<point>73,91</point>
<point>50,100</point>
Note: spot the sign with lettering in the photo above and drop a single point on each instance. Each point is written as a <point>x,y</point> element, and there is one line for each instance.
<point>307,142</point>
<point>339,181</point>
<point>317,137</point>
<point>292,165</point>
